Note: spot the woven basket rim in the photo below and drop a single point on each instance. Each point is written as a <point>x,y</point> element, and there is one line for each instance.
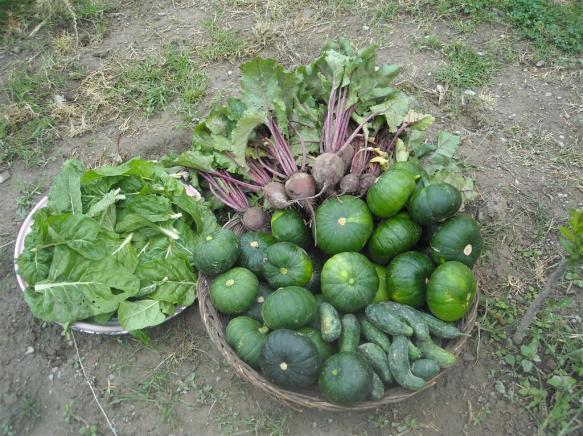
<point>215,324</point>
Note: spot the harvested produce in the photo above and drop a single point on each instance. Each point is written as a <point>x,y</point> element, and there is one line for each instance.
<point>287,264</point>
<point>314,283</point>
<point>330,322</point>
<point>113,242</point>
<point>377,359</point>
<point>234,291</point>
<point>325,349</point>
<point>216,252</point>
<point>288,226</point>
<point>255,309</point>
<point>425,368</point>
<point>254,250</point>
<point>457,239</point>
<point>387,196</point>
<point>382,293</point>
<point>384,320</point>
<point>349,281</point>
<point>343,224</point>
<point>432,351</point>
<point>393,236</point>
<point>350,335</point>
<point>377,389</point>
<point>345,378</point>
<point>290,359</point>
<point>407,277</point>
<point>434,203</point>
<point>290,307</point>
<point>372,334</point>
<point>246,336</point>
<point>399,365</point>
<point>450,291</point>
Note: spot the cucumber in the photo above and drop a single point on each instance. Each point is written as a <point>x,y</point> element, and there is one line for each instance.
<point>377,359</point>
<point>316,321</point>
<point>432,351</point>
<point>373,334</point>
<point>413,351</point>
<point>386,321</point>
<point>399,365</point>
<point>411,317</point>
<point>425,368</point>
<point>440,328</point>
<point>350,336</point>
<point>377,389</point>
<point>330,324</point>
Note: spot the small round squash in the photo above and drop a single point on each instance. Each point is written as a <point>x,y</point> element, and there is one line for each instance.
<point>246,336</point>
<point>287,225</point>
<point>216,252</point>
<point>286,264</point>
<point>387,196</point>
<point>459,239</point>
<point>345,378</point>
<point>253,250</point>
<point>450,291</point>
<point>434,203</point>
<point>393,236</point>
<point>234,291</point>
<point>290,307</point>
<point>407,277</point>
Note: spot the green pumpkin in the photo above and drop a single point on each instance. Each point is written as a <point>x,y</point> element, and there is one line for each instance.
<point>450,291</point>
<point>290,307</point>
<point>412,167</point>
<point>459,239</point>
<point>345,378</point>
<point>253,250</point>
<point>407,277</point>
<point>393,236</point>
<point>234,291</point>
<point>246,336</point>
<point>255,309</point>
<point>287,225</point>
<point>349,281</point>
<point>382,293</point>
<point>387,196</point>
<point>343,224</point>
<point>290,359</point>
<point>287,264</point>
<point>324,348</point>
<point>434,203</point>
<point>215,252</point>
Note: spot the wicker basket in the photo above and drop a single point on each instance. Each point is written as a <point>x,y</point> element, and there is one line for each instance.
<point>216,323</point>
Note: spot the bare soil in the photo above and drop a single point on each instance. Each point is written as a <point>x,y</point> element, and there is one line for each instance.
<point>179,384</point>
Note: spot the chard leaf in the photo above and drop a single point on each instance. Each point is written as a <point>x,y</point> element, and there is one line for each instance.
<point>203,218</point>
<point>106,201</point>
<point>65,193</point>
<point>394,110</point>
<point>416,143</point>
<point>153,208</point>
<point>454,177</point>
<point>34,262</point>
<point>447,145</point>
<point>419,121</point>
<point>78,232</point>
<point>135,315</point>
<point>172,279</point>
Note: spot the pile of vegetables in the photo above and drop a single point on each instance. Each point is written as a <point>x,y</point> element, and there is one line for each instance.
<point>114,242</point>
<point>365,304</point>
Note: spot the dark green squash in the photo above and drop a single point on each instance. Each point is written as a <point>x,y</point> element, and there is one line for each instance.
<point>387,196</point>
<point>412,167</point>
<point>234,291</point>
<point>381,294</point>
<point>450,291</point>
<point>290,359</point>
<point>287,264</point>
<point>459,239</point>
<point>343,224</point>
<point>253,250</point>
<point>393,236</point>
<point>290,307</point>
<point>216,252</point>
<point>407,277</point>
<point>255,310</point>
<point>346,378</point>
<point>349,281</point>
<point>287,225</point>
<point>324,348</point>
<point>434,203</point>
<point>246,336</point>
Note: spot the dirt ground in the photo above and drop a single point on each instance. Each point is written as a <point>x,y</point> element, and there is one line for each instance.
<point>522,142</point>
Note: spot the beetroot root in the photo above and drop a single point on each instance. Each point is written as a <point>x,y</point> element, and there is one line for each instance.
<point>276,196</point>
<point>328,169</point>
<point>300,186</point>
<point>255,218</point>
<point>350,184</point>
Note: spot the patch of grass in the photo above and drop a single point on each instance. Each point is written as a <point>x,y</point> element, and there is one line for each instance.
<point>386,10</point>
<point>21,416</point>
<point>71,417</point>
<point>224,44</point>
<point>26,198</point>
<point>466,68</point>
<point>154,82</point>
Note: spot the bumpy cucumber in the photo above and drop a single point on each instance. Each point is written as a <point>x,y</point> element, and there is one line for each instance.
<point>440,328</point>
<point>399,365</point>
<point>373,334</point>
<point>377,389</point>
<point>350,336</point>
<point>413,351</point>
<point>377,359</point>
<point>330,324</point>
<point>386,321</point>
<point>425,368</point>
<point>411,317</point>
<point>432,351</point>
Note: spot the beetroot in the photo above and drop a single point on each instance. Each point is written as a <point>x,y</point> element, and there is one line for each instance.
<point>350,184</point>
<point>255,218</point>
<point>366,181</point>
<point>300,186</point>
<point>346,155</point>
<point>327,170</point>
<point>276,196</point>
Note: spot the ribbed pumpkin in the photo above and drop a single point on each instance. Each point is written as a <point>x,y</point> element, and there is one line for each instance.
<point>459,239</point>
<point>393,236</point>
<point>387,196</point>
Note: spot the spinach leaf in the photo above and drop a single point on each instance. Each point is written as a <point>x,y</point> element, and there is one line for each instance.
<point>135,315</point>
<point>65,193</point>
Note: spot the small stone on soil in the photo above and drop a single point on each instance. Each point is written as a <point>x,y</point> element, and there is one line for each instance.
<point>4,175</point>
<point>468,357</point>
<point>29,350</point>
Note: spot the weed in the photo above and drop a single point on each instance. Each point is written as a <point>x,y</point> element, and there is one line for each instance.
<point>71,417</point>
<point>26,198</point>
<point>386,10</point>
<point>429,43</point>
<point>223,44</point>
<point>466,68</point>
